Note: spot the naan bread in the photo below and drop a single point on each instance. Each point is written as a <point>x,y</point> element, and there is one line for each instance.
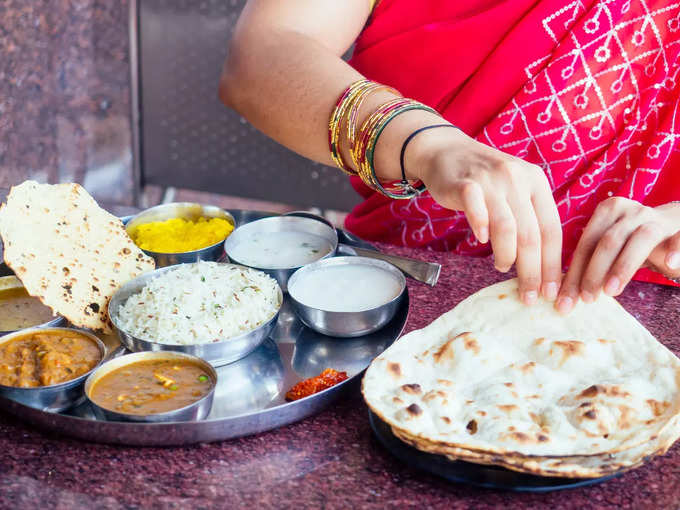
<point>494,381</point>
<point>68,251</point>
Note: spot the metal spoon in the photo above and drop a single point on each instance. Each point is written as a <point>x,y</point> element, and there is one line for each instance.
<point>426,272</point>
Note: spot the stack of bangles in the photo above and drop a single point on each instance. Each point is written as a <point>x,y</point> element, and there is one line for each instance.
<point>362,143</point>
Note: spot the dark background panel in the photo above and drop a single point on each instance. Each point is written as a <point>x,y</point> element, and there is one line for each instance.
<point>189,139</point>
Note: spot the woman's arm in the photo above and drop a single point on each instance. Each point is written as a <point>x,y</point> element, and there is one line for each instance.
<point>284,74</point>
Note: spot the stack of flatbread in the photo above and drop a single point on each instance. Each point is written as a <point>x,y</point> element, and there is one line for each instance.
<point>496,382</point>
<point>68,251</point>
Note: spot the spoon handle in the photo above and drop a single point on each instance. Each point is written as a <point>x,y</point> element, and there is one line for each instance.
<point>426,272</point>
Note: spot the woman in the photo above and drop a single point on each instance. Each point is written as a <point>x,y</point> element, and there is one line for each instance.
<point>567,114</point>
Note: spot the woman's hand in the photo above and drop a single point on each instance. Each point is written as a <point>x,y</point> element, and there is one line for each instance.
<point>506,200</point>
<point>621,236</point>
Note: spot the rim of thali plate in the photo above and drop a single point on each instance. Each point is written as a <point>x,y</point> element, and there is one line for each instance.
<point>219,353</point>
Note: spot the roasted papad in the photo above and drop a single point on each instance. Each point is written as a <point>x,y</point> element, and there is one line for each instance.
<point>68,251</point>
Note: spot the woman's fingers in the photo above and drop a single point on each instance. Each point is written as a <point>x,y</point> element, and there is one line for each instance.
<point>528,262</point>
<point>597,226</point>
<point>672,258</point>
<point>636,250</point>
<point>474,206</point>
<point>606,252</point>
<point>502,232</point>
<point>550,229</point>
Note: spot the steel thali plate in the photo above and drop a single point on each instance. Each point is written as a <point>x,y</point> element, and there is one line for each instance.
<point>249,397</point>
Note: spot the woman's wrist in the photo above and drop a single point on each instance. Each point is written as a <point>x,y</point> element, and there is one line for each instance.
<point>388,148</point>
<point>422,152</point>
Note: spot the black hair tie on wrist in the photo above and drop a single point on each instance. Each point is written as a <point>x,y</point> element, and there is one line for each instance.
<point>410,137</point>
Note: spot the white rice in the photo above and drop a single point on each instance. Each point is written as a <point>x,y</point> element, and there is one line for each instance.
<point>200,303</point>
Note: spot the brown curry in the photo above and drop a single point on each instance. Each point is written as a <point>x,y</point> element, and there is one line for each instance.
<point>47,357</point>
<point>152,386</point>
<point>18,310</point>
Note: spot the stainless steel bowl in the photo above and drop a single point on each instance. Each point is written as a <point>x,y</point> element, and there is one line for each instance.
<point>12,282</point>
<point>188,211</point>
<point>58,397</point>
<point>219,353</point>
<point>346,324</point>
<point>281,224</point>
<point>193,412</point>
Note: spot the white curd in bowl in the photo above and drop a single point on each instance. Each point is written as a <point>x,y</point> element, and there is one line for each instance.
<point>345,288</point>
<point>280,250</point>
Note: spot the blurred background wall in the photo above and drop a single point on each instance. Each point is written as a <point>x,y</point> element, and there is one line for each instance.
<point>65,94</point>
<point>65,108</point>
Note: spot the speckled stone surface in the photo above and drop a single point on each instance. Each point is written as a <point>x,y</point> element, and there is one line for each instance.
<point>65,95</point>
<point>327,461</point>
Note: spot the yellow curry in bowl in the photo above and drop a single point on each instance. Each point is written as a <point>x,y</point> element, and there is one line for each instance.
<point>151,386</point>
<point>180,235</point>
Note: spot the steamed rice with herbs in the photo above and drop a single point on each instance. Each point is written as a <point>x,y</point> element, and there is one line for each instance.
<point>200,303</point>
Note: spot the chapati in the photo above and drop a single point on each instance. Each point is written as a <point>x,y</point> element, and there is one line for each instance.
<point>495,381</point>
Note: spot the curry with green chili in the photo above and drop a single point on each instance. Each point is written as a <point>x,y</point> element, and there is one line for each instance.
<point>151,386</point>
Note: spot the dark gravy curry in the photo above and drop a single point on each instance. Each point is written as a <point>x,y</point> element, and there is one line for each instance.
<point>47,357</point>
<point>151,387</point>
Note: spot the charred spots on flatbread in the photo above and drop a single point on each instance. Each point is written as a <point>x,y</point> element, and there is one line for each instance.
<point>610,390</point>
<point>658,408</point>
<point>527,367</point>
<point>94,307</point>
<point>507,408</point>
<point>412,389</point>
<point>569,348</point>
<point>445,352</point>
<point>446,420</point>
<point>471,427</point>
<point>590,391</point>
<point>414,410</point>
<point>590,414</point>
<point>502,296</point>
<point>397,400</point>
<point>394,369</point>
<point>470,342</point>
<point>433,394</point>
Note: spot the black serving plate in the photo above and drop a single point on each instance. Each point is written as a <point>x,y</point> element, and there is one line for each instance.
<point>479,475</point>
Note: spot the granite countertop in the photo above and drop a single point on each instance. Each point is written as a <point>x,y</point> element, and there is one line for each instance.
<point>330,460</point>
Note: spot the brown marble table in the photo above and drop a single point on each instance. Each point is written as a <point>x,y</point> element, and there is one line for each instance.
<point>328,461</point>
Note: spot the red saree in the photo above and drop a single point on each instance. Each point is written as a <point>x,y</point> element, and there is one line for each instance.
<point>587,89</point>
